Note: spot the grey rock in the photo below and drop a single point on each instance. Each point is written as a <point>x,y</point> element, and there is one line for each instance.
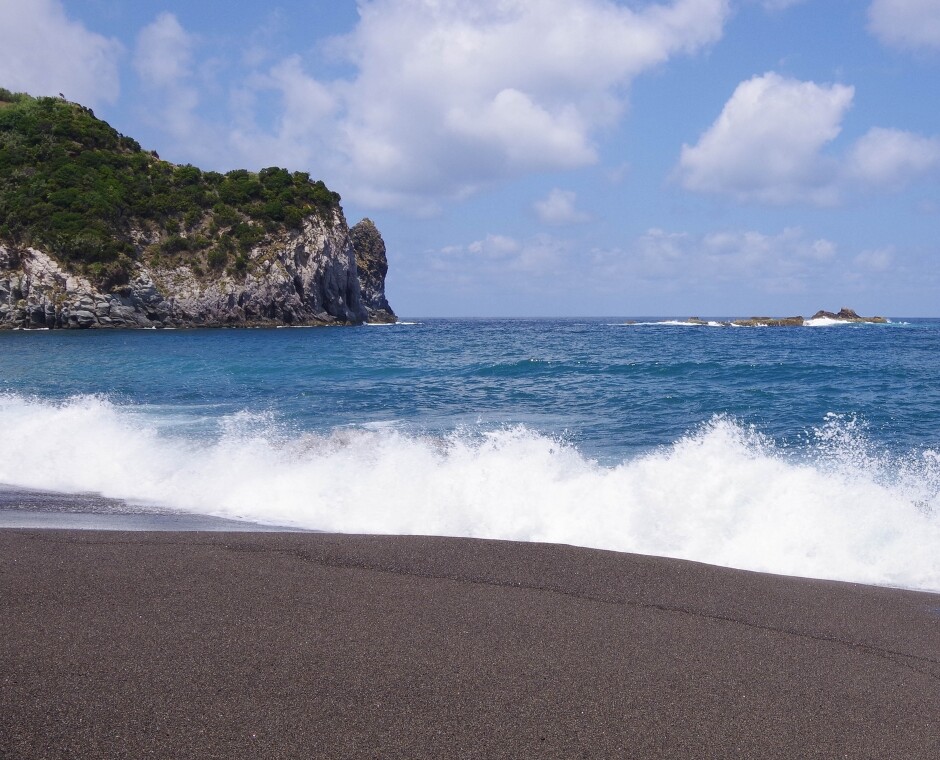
<point>847,315</point>
<point>307,276</point>
<point>372,264</point>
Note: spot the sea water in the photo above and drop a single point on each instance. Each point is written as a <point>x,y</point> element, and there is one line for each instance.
<point>811,451</point>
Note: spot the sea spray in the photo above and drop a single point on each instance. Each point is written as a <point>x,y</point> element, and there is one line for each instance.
<point>836,507</point>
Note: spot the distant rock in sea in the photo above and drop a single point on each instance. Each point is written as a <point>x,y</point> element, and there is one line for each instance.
<point>843,315</point>
<point>847,315</point>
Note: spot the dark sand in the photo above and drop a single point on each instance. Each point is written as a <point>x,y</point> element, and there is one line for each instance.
<point>213,645</point>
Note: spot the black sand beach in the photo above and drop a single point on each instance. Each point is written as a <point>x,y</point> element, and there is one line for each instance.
<point>224,645</point>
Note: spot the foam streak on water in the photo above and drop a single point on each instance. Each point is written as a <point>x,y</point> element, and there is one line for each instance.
<point>837,508</point>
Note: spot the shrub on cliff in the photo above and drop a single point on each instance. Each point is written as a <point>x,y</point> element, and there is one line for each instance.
<point>74,186</point>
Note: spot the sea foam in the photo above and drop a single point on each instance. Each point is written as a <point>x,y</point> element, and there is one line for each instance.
<point>834,507</point>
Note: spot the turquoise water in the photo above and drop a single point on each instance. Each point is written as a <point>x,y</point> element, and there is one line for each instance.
<point>809,451</point>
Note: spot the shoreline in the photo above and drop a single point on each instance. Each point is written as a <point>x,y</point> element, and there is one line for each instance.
<point>199,644</point>
<point>29,508</point>
<point>24,508</point>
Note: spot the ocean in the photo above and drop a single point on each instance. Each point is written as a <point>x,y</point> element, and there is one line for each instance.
<point>810,451</point>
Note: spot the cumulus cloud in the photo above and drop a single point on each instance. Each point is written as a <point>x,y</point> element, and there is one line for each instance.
<point>559,208</point>
<point>891,158</point>
<point>45,53</point>
<point>906,24</point>
<point>765,144</point>
<point>768,146</point>
<point>447,96</point>
<point>458,93</point>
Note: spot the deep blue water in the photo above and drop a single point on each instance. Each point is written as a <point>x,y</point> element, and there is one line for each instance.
<point>612,389</point>
<point>472,419</point>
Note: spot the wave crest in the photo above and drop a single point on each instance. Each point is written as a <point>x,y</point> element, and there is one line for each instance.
<point>836,508</point>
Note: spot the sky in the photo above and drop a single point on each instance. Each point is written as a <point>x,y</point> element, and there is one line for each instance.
<point>552,157</point>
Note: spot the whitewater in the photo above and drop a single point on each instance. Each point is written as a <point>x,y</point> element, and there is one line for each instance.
<point>801,451</point>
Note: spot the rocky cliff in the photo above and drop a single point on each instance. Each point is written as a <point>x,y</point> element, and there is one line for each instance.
<point>303,277</point>
<point>97,232</point>
<point>372,267</point>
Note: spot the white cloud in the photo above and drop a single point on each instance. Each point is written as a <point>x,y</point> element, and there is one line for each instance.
<point>305,119</point>
<point>164,61</point>
<point>495,258</point>
<point>164,54</point>
<point>559,208</point>
<point>779,5</point>
<point>906,24</point>
<point>891,158</point>
<point>44,52</point>
<point>765,145</point>
<point>450,95</point>
<point>447,96</point>
<point>768,143</point>
<point>877,260</point>
<point>788,262</point>
<point>496,247</point>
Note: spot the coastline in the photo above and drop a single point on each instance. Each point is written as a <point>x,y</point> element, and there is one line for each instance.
<point>197,644</point>
<point>28,508</point>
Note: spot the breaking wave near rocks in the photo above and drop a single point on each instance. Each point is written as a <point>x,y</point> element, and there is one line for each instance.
<point>835,506</point>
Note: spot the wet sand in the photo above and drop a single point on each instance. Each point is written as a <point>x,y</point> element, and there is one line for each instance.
<point>277,645</point>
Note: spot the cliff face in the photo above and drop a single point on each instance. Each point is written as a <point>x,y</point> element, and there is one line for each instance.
<point>372,266</point>
<point>302,277</point>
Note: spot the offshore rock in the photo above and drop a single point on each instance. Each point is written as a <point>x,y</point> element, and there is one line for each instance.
<point>847,315</point>
<point>770,322</point>
<point>372,266</point>
<point>305,277</point>
<point>843,315</point>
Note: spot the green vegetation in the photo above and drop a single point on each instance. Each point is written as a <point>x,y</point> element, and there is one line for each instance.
<point>75,187</point>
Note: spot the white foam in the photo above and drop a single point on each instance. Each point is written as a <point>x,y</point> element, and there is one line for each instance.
<point>827,322</point>
<point>681,323</point>
<point>723,494</point>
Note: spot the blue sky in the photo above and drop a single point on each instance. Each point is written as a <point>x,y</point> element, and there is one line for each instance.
<point>560,157</point>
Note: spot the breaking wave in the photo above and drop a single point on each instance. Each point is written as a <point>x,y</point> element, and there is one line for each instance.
<point>833,507</point>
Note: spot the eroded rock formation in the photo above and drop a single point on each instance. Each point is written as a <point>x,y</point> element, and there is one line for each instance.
<point>372,266</point>
<point>304,277</point>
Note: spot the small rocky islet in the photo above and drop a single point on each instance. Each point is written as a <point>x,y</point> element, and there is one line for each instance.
<point>843,315</point>
<point>96,232</point>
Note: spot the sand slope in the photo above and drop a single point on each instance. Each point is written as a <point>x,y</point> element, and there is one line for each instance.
<point>198,645</point>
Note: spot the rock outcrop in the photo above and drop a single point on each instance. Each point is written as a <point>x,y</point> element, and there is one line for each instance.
<point>844,315</point>
<point>301,277</point>
<point>372,266</point>
<point>770,322</point>
<point>847,315</point>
